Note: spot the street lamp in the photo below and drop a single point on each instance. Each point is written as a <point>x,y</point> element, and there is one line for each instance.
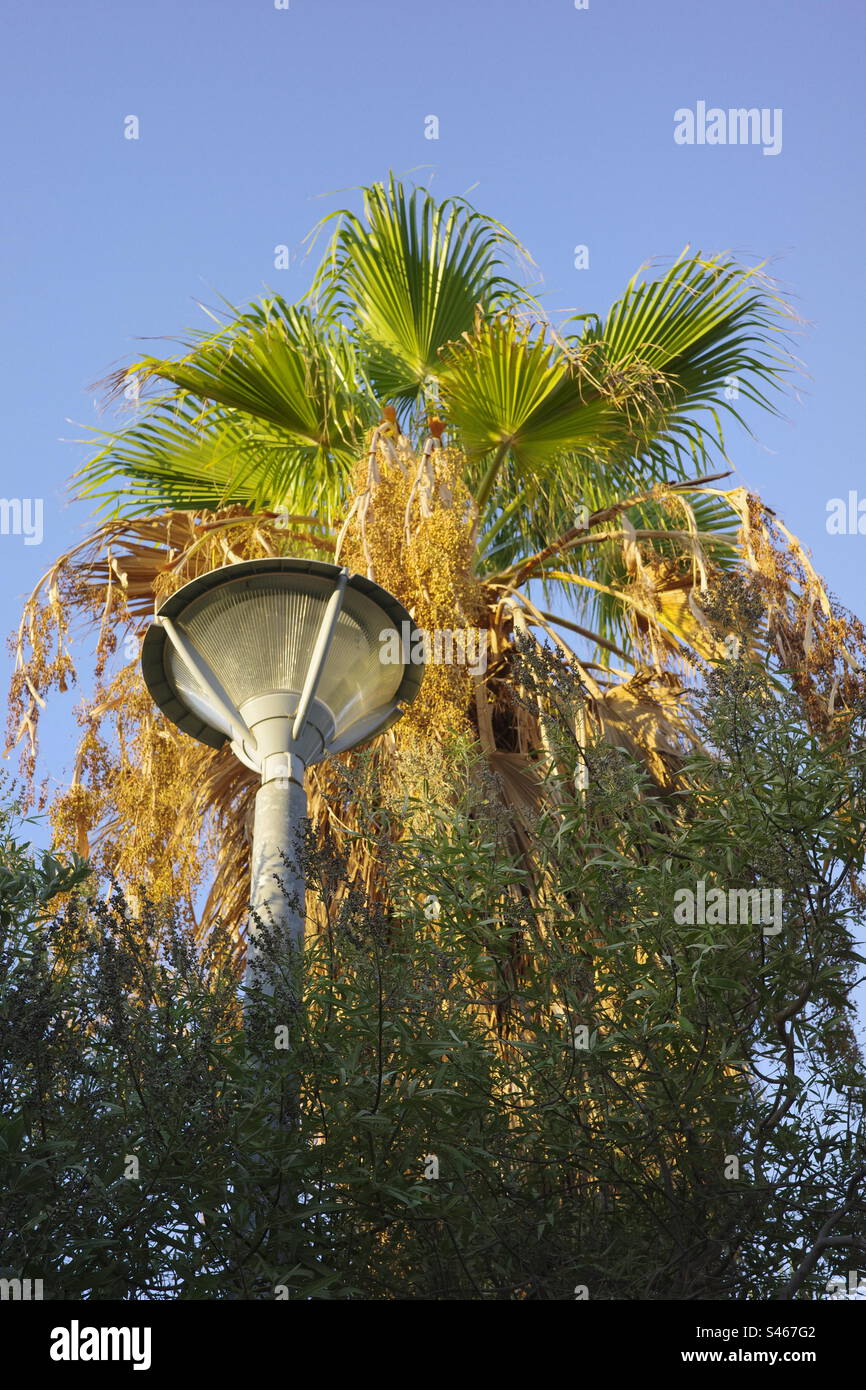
<point>284,660</point>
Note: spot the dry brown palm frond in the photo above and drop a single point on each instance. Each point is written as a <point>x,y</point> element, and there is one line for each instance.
<point>519,773</point>
<point>649,716</point>
<point>818,644</point>
<point>648,713</point>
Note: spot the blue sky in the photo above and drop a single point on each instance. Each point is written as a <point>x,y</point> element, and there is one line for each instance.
<point>255,121</point>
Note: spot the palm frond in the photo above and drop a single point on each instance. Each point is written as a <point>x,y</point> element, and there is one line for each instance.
<point>715,331</point>
<point>557,422</point>
<point>519,402</point>
<point>409,278</point>
<point>268,412</point>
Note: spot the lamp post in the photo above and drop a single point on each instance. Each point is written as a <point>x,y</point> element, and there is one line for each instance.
<point>283,659</point>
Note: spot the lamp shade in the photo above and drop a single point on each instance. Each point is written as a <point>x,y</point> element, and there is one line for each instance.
<point>243,641</point>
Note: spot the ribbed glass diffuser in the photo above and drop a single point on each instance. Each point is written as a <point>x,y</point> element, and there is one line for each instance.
<point>255,625</point>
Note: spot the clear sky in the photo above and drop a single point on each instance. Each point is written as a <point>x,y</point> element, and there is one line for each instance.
<point>254,121</point>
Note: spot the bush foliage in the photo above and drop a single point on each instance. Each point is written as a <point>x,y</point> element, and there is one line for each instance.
<point>490,1089</point>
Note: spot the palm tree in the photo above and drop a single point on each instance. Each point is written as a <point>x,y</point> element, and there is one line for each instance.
<point>419,418</point>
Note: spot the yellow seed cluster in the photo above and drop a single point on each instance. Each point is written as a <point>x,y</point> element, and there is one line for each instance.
<point>132,787</point>
<point>417,532</point>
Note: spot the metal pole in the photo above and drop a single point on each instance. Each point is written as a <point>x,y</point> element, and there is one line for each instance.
<point>281,807</point>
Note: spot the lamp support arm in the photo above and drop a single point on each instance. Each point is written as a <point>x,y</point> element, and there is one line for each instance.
<point>320,653</point>
<point>210,686</point>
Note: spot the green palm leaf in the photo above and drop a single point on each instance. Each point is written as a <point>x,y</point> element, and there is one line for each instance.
<point>269,411</point>
<point>558,422</point>
<point>409,279</point>
<point>190,460</point>
<point>713,331</point>
<point>512,392</point>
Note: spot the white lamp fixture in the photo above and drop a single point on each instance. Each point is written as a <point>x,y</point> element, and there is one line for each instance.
<point>283,659</point>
